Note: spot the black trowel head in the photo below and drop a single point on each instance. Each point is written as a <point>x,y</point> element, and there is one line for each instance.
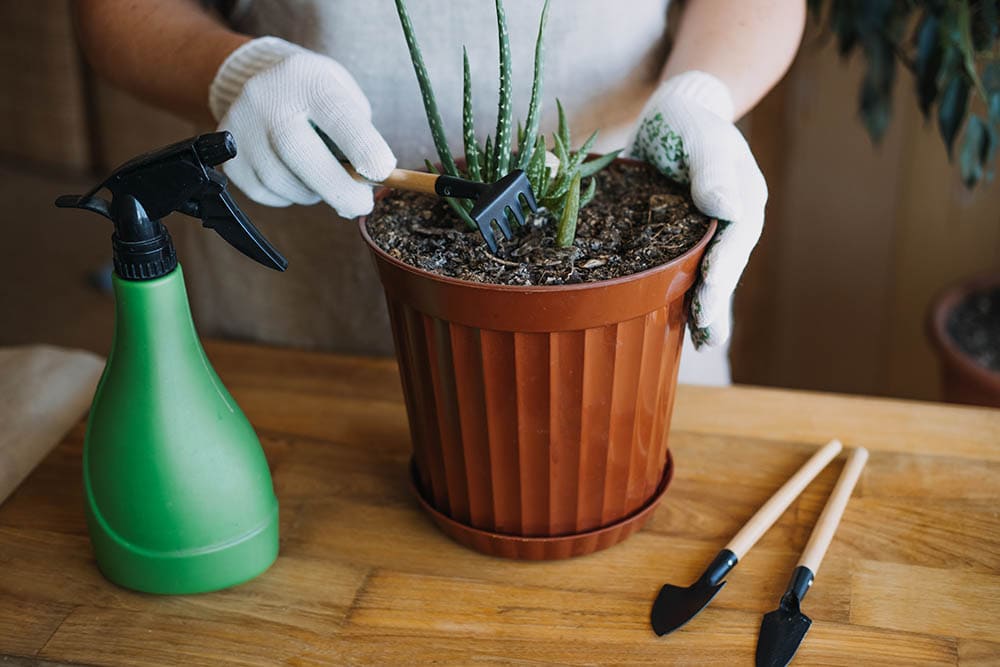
<point>675,606</point>
<point>781,632</point>
<point>783,629</point>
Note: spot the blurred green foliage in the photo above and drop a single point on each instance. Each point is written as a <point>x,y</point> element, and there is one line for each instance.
<point>952,49</point>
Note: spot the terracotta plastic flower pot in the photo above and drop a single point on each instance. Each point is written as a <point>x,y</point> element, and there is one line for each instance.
<point>539,415</point>
<point>962,379</point>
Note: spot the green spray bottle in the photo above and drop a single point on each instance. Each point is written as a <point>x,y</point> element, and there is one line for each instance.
<point>179,497</point>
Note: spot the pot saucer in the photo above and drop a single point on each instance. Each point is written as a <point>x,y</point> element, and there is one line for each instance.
<point>543,548</point>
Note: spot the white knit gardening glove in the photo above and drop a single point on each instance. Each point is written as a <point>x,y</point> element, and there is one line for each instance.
<point>269,93</point>
<point>686,130</point>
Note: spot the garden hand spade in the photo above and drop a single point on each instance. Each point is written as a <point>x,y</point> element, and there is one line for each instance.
<point>783,629</point>
<point>675,606</point>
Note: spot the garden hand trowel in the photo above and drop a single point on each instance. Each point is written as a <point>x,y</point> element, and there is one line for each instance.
<point>783,629</point>
<point>675,606</point>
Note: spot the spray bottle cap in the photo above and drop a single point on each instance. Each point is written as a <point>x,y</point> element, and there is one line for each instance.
<point>180,178</point>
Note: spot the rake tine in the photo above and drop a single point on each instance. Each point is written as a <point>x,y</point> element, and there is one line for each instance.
<point>503,225</point>
<point>515,210</point>
<point>486,230</point>
<point>529,196</point>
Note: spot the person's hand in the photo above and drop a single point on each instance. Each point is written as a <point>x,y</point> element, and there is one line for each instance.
<point>686,130</point>
<point>269,93</point>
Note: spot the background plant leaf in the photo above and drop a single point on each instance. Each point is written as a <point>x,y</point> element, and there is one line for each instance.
<point>928,62</point>
<point>951,110</point>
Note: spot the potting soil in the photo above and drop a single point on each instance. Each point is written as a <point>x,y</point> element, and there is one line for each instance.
<point>637,220</point>
<point>974,325</point>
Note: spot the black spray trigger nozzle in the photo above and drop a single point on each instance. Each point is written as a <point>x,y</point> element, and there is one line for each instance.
<point>215,148</point>
<point>87,203</point>
<point>179,177</point>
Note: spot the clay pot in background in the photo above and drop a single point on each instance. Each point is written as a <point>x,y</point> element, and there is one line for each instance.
<point>962,379</point>
<point>539,415</point>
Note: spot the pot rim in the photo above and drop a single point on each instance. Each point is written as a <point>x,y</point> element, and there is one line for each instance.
<point>937,315</point>
<point>713,225</point>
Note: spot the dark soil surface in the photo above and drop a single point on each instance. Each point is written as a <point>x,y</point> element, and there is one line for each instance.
<point>637,220</point>
<point>974,325</point>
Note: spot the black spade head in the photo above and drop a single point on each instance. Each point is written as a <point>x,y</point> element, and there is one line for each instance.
<point>781,632</point>
<point>675,606</point>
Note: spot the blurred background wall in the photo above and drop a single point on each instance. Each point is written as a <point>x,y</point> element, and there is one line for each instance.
<point>857,241</point>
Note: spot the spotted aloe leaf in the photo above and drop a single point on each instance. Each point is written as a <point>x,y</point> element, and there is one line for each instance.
<point>566,231</point>
<point>504,115</point>
<point>468,124</point>
<point>563,125</point>
<point>536,167</point>
<point>589,193</point>
<point>572,167</point>
<point>527,144</point>
<point>426,91</point>
<point>591,167</point>
<point>489,169</point>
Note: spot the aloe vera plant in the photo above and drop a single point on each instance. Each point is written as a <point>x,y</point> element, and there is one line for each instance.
<point>561,192</point>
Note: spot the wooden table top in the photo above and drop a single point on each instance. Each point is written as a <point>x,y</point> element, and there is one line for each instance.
<point>912,576</point>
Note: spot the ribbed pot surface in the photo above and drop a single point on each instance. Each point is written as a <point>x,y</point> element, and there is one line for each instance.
<point>539,412</point>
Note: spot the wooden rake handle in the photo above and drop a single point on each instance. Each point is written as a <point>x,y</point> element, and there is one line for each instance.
<point>401,179</point>
<point>829,519</point>
<point>779,502</point>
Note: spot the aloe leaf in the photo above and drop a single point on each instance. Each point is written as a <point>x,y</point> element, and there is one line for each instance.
<point>562,155</point>
<point>567,221</point>
<point>588,193</point>
<point>584,151</point>
<point>489,168</point>
<point>468,124</point>
<point>563,125</point>
<point>426,91</point>
<point>535,105</point>
<point>572,166</point>
<point>593,166</point>
<point>536,167</point>
<point>502,146</point>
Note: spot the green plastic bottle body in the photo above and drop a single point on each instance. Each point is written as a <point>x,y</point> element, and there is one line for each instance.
<point>179,496</point>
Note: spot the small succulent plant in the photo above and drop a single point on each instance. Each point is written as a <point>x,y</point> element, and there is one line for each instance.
<point>561,191</point>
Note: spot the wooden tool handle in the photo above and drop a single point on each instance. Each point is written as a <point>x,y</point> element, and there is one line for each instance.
<point>401,179</point>
<point>779,502</point>
<point>826,525</point>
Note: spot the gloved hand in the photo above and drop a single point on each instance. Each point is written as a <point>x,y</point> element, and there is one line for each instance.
<point>686,130</point>
<point>267,93</point>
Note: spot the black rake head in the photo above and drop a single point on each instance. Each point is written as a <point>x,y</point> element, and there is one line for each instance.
<point>494,202</point>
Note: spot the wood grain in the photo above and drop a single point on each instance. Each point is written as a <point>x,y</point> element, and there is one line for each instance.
<point>912,576</point>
